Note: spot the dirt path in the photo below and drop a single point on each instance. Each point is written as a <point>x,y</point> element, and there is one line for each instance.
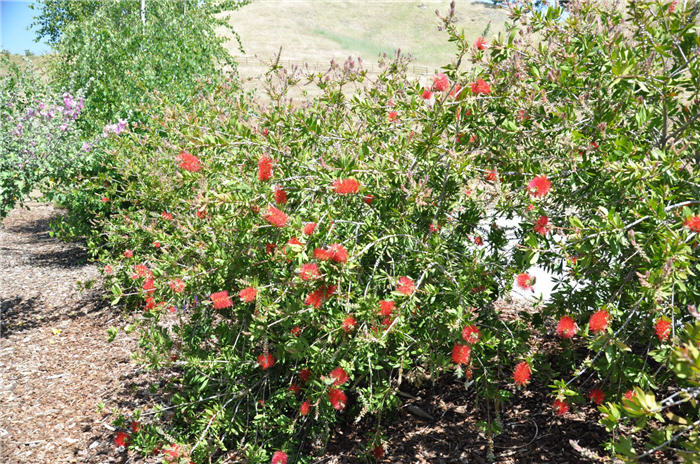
<point>55,362</point>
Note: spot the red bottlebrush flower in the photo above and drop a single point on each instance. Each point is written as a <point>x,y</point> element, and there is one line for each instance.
<point>406,285</point>
<point>522,373</point>
<point>270,248</point>
<point>349,324</point>
<point>539,186</point>
<point>393,116</point>
<point>173,451</point>
<point>368,199</point>
<point>599,321</point>
<point>149,286</point>
<point>471,334</point>
<point>662,329</point>
<point>522,115</point>
<point>201,214</point>
<point>304,408</point>
<point>338,398</point>
<point>481,86</point>
<point>456,92</point>
<point>309,228</point>
<point>264,168</point>
<point>265,131</point>
<point>296,331</point>
<point>309,271</point>
<point>135,426</point>
<point>318,296</point>
<point>280,196</point>
<point>323,255</point>
<point>248,294</point>
<point>491,175</point>
<point>378,452</point>
<point>305,375</point>
<point>441,82</point>
<point>108,269</point>
<point>345,186</point>
<point>386,322</point>
<point>122,439</point>
<point>693,223</point>
<point>220,300</point>
<point>386,307</point>
<point>156,244</point>
<point>427,94</point>
<point>461,353</point>
<point>672,7</point>
<point>630,394</point>
<point>276,217</point>
<point>128,254</point>
<point>560,407</point>
<point>339,376</point>
<point>189,162</point>
<point>294,388</point>
<point>279,458</point>
<point>478,241</point>
<point>566,328</point>
<point>293,241</point>
<point>177,285</point>
<point>480,43</point>
<point>150,302</point>
<point>167,216</point>
<point>434,227</point>
<point>597,396</point>
<point>525,281</point>
<point>338,253</point>
<point>542,225</point>
<point>104,200</point>
<point>266,361</point>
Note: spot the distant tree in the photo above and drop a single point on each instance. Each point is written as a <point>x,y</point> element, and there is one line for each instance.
<point>55,15</point>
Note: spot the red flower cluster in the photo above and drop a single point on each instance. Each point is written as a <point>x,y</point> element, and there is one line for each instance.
<point>480,43</point>
<point>296,331</point>
<point>427,94</point>
<point>542,225</point>
<point>662,329</point>
<point>346,186</point>
<point>189,162</point>
<point>599,321</point>
<point>177,285</point>
<point>566,328</point>
<point>305,408</point>
<point>220,300</point>
<point>393,116</point>
<point>378,452</point>
<point>280,196</point>
<point>522,373</point>
<point>338,398</point>
<point>266,361</point>
<point>279,457</point>
<point>630,394</point>
<point>309,271</point>
<point>441,82</point>
<point>264,168</point>
<point>276,217</point>
<point>318,296</point>
<point>597,396</point>
<point>386,307</point>
<point>349,324</point>
<point>309,228</point>
<point>128,254</point>
<point>339,376</point>
<point>525,281</point>
<point>305,375</point>
<point>406,285</point>
<point>335,252</point>
<point>461,353</point>
<point>560,407</point>
<point>471,334</point>
<point>248,294</point>
<point>122,439</point>
<point>539,186</point>
<point>693,223</point>
<point>167,216</point>
<point>481,86</point>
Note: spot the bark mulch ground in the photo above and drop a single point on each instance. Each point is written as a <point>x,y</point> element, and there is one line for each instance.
<point>56,367</point>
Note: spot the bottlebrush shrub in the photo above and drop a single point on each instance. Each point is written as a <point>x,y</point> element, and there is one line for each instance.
<point>406,213</point>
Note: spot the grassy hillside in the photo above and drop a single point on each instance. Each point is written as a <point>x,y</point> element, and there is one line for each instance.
<point>315,31</point>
